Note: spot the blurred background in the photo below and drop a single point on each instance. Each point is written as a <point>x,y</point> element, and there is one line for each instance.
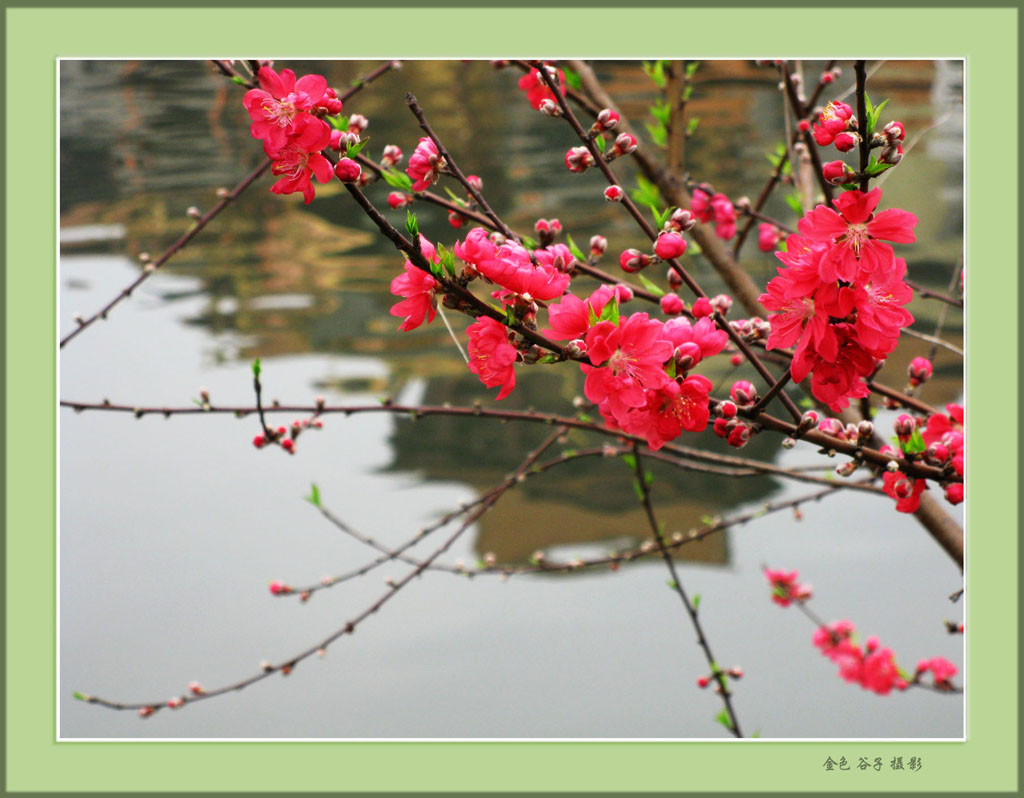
<point>171,529</point>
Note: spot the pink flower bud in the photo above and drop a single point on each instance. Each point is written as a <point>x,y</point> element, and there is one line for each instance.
<point>703,682</point>
<point>702,307</point>
<point>827,77</point>
<point>846,141</point>
<point>803,125</point>
<point>672,305</point>
<point>475,181</point>
<point>542,226</point>
<point>598,244</point>
<point>722,303</point>
<point>145,712</point>
<point>736,359</point>
<point>259,441</point>
<point>727,409</point>
<point>347,170</point>
<point>808,419</point>
<point>904,426</point>
<point>578,159</point>
<point>743,393</point>
<point>686,355</point>
<point>195,688</point>
<point>723,426</point>
<point>624,144</point>
<point>740,436</point>
<point>736,672</point>
<point>669,245</point>
<point>937,454</point>
<point>675,282</point>
<point>633,260</point>
<point>279,588</point>
<point>456,219</point>
<point>357,123</point>
<point>607,119</point>
<point>919,371</point>
<point>396,200</point>
<point>681,220</point>
<point>894,131</point>
<point>392,155</point>
<point>176,703</point>
<point>833,427</point>
<point>955,493</point>
<point>836,172</point>
<point>288,445</point>
<point>891,155</point>
<point>865,429</point>
<point>623,293</point>
<point>614,193</point>
<point>549,107</point>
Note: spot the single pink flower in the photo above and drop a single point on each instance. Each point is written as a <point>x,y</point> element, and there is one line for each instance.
<point>512,269</point>
<point>674,407</point>
<point>281,102</point>
<point>419,304</point>
<point>491,355</point>
<point>425,164</point>
<point>300,159</point>
<point>857,234</point>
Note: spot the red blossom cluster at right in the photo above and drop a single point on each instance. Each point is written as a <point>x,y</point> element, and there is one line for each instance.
<point>840,300</point>
<point>943,437</point>
<point>873,667</point>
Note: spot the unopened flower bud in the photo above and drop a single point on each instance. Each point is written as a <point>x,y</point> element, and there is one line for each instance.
<point>223,193</point>
<point>703,682</point>
<point>614,193</point>
<point>576,348</point>
<point>892,466</point>
<point>195,688</point>
<point>578,159</point>
<point>727,409</point>
<point>735,672</point>
<point>392,155</point>
<point>259,441</point>
<point>894,131</point>
<point>936,453</point>
<point>919,371</point>
<point>549,107</point>
<point>722,303</point>
<point>475,181</point>
<point>145,712</point>
<point>865,429</point>
<point>288,445</point>
<point>671,305</point>
<point>347,170</point>
<point>836,172</point>
<point>396,200</point>
<point>357,123</point>
<point>846,469</point>
<point>740,436</point>
<point>686,355</point>
<point>833,427</point>
<point>808,420</point>
<point>633,260</point>
<point>176,703</point>
<point>891,155</point>
<point>846,141</point>
<point>904,426</point>
<point>702,307</point>
<point>681,220</point>
<point>955,494</point>
<point>625,143</point>
<point>743,393</point>
<point>598,244</point>
<point>669,245</point>
<point>788,443</point>
<point>194,213</point>
<point>607,119</point>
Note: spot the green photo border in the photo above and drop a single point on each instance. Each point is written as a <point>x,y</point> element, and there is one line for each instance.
<point>35,37</point>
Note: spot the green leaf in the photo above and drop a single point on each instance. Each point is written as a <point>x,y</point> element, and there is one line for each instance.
<point>793,201</point>
<point>673,584</point>
<point>661,111</point>
<point>411,226</point>
<point>78,696</point>
<point>572,79</point>
<point>352,150</point>
<point>659,135</point>
<point>638,490</point>
<point>256,367</point>
<point>648,478</point>
<point>655,70</point>
<point>399,180</point>
<point>629,460</point>
<point>529,243</point>
<point>610,312</point>
<point>600,142</point>
<point>691,68</point>
<point>646,193</point>
<point>455,197</point>
<point>659,216</point>
<point>314,495</point>
<point>723,718</point>
<point>670,368</point>
<point>575,250</point>
<point>241,82</point>
<point>338,122</point>
<point>650,286</point>
<point>544,360</point>
<point>691,126</point>
<point>696,601</point>
<point>915,444</point>
<point>447,258</point>
<point>591,315</point>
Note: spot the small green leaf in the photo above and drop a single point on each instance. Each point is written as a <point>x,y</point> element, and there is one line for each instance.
<point>575,250</point>
<point>545,359</point>
<point>646,193</point>
<point>629,460</point>
<point>723,718</point>
<point>314,495</point>
<point>591,315</point>
<point>691,68</point>
<point>446,258</point>
<point>411,226</point>
<point>659,135</point>
<point>696,601</point>
<point>610,312</point>
<point>256,367</point>
<point>78,696</point>
<point>673,584</point>
<point>638,490</point>
<point>601,143</point>
<point>338,122</point>
<point>399,180</point>
<point>529,243</point>
<point>455,197</point>
<point>916,443</point>
<point>691,126</point>
<point>650,286</point>
<point>793,201</point>
<point>239,80</point>
<point>648,478</point>
<point>670,368</point>
<point>661,111</point>
<point>586,418</point>
<point>352,150</point>
<point>572,79</point>
<point>655,70</point>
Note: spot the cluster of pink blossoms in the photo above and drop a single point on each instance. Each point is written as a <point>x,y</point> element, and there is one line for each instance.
<point>715,207</point>
<point>287,114</point>
<point>943,437</point>
<point>873,667</point>
<point>840,301</point>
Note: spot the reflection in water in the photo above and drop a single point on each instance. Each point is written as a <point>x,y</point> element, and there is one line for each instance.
<point>143,141</point>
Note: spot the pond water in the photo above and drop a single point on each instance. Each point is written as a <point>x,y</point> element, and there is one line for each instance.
<point>170,529</point>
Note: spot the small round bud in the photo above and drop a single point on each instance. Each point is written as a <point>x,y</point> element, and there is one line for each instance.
<point>625,143</point>
<point>702,307</point>
<point>598,245</point>
<point>176,703</point>
<point>397,199</point>
<point>391,156</point>
<point>722,303</point>
<point>727,409</point>
<point>803,125</point>
<point>145,712</point>
<point>259,441</point>
<point>476,182</point>
<point>357,123</point>
<point>846,141</point>
<point>288,445</point>
<point>223,193</point>
<point>892,466</point>
<point>607,119</point>
<point>836,172</point>
<point>614,193</point>
<point>904,426</point>
<point>681,220</point>
<point>865,429</point>
<point>578,159</point>
<point>919,371</point>
<point>633,260</point>
<point>743,393</point>
<point>669,245</point>
<point>549,107</point>
<point>788,443</point>
<point>347,170</point>
<point>671,305</point>
<point>703,682</point>
<point>195,688</point>
<point>194,213</point>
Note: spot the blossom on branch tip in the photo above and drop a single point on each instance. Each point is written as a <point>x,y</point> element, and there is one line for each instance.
<point>491,355</point>
<point>537,89</point>
<point>578,159</point>
<point>425,164</point>
<point>281,103</point>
